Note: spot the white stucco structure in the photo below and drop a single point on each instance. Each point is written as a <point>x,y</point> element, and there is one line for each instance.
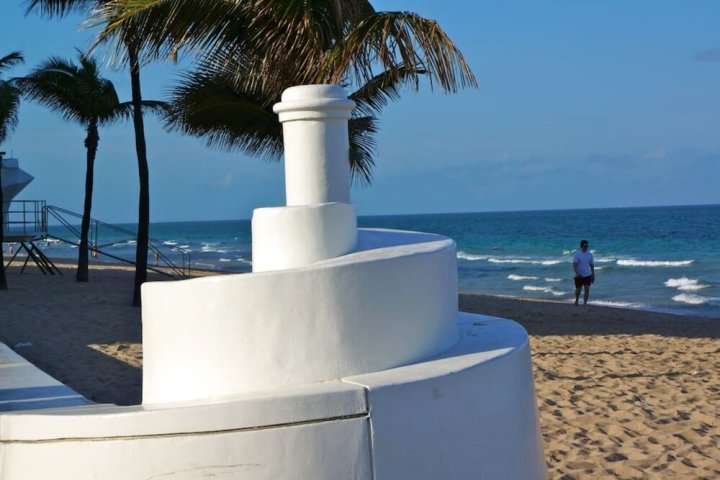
<point>14,179</point>
<point>342,356</point>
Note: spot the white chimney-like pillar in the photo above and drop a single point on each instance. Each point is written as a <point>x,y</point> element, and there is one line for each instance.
<point>315,133</point>
<point>319,222</point>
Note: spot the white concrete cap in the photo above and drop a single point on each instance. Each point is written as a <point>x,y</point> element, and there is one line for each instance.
<point>313,102</point>
<point>317,146</point>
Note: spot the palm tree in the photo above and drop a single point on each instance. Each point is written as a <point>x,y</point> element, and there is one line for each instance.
<point>80,95</point>
<point>9,105</point>
<point>249,52</point>
<point>59,8</point>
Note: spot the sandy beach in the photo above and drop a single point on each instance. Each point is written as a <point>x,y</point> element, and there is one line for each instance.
<point>621,394</point>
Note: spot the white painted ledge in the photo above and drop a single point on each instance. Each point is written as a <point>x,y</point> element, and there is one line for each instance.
<point>23,386</point>
<point>466,414</point>
<point>296,405</point>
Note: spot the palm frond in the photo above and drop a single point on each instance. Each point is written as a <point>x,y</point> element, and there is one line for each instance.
<point>9,96</point>
<point>211,107</point>
<point>160,28</point>
<point>59,8</point>
<point>77,92</point>
<point>382,89</point>
<point>390,40</point>
<point>362,132</point>
<point>248,52</point>
<point>9,106</point>
<point>124,111</point>
<point>10,60</point>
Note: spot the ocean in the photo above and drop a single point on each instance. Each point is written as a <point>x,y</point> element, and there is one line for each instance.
<point>664,259</point>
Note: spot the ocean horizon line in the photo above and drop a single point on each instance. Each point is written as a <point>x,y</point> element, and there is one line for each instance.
<point>464,212</point>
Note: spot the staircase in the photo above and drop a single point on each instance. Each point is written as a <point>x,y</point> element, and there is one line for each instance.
<point>164,259</point>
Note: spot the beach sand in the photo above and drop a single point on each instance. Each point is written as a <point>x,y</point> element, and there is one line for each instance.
<point>620,393</point>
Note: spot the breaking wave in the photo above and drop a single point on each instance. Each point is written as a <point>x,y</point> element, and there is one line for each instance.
<point>691,298</point>
<point>550,290</point>
<point>520,277</point>
<point>469,256</point>
<point>654,263</point>
<point>609,303</point>
<point>685,284</point>
<point>524,260</point>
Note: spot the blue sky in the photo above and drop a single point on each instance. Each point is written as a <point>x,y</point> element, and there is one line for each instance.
<point>581,105</point>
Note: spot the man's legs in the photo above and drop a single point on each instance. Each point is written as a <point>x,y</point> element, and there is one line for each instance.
<point>587,294</point>
<point>577,294</point>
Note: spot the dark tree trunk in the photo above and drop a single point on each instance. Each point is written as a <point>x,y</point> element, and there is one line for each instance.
<point>141,252</point>
<point>91,146</point>
<point>3,280</point>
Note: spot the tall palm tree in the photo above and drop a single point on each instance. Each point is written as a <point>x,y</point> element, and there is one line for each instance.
<point>9,106</point>
<point>249,52</point>
<point>79,94</point>
<point>60,8</point>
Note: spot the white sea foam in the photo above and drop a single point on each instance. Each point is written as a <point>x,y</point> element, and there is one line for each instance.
<point>691,299</point>
<point>210,249</point>
<point>512,276</point>
<point>523,260</point>
<point>224,260</point>
<point>653,263</point>
<point>553,280</point>
<point>605,259</point>
<point>469,256</point>
<point>170,242</point>
<point>685,284</point>
<point>550,290</point>
<point>610,303</point>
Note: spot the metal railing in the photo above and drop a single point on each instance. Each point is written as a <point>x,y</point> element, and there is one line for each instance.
<point>25,219</point>
<point>166,259</point>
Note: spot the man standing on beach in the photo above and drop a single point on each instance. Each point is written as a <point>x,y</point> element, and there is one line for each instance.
<point>584,267</point>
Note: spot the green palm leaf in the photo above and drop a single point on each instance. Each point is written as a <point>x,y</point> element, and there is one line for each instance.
<point>395,43</point>
<point>211,106</point>
<point>9,96</point>
<point>59,8</point>
<point>249,52</point>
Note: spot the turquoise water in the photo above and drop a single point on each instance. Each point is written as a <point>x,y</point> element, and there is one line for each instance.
<point>661,258</point>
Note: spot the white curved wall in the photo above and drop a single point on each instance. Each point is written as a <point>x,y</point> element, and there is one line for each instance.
<point>468,413</point>
<point>377,308</point>
<point>291,237</point>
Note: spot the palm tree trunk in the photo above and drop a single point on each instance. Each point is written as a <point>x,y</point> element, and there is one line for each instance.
<point>141,251</point>
<point>3,280</point>
<point>91,145</point>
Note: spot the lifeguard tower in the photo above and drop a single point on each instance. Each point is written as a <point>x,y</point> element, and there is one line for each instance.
<point>25,221</point>
<point>26,224</point>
